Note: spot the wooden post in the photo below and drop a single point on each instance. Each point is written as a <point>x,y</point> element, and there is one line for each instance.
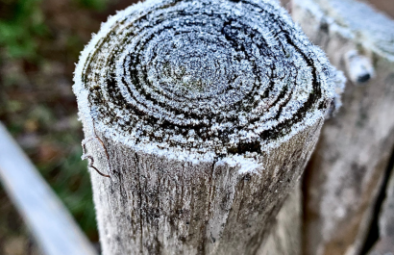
<point>385,244</point>
<point>346,172</point>
<point>286,237</point>
<point>204,115</point>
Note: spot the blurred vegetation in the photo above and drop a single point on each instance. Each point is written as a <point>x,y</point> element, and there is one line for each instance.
<point>21,26</point>
<point>93,4</point>
<point>40,41</point>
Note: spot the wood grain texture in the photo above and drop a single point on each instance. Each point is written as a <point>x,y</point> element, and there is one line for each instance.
<point>204,114</point>
<point>286,236</point>
<point>386,217</point>
<point>346,171</point>
<point>52,226</point>
<point>385,244</point>
<point>157,205</point>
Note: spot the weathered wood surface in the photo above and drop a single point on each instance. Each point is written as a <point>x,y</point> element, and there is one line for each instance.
<point>385,244</point>
<point>346,171</point>
<point>204,115</point>
<point>386,218</point>
<point>285,236</point>
<point>52,226</point>
<point>384,6</point>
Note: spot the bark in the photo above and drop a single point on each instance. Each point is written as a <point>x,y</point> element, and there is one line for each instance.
<point>204,118</point>
<point>345,175</point>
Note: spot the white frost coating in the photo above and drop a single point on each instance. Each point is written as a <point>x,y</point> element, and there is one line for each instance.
<point>202,79</point>
<point>246,165</point>
<point>209,111</point>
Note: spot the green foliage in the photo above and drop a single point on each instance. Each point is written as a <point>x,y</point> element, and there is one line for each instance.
<point>21,26</point>
<point>93,4</point>
<point>24,34</point>
<point>71,182</point>
<point>76,192</point>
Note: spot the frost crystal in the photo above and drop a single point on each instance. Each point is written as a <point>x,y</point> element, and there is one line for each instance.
<point>212,76</point>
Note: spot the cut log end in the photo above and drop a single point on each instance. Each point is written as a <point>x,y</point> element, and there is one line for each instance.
<point>208,112</point>
<point>205,80</point>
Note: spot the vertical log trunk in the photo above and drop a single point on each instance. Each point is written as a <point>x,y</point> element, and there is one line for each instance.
<point>346,171</point>
<point>204,115</point>
<point>385,244</point>
<point>285,236</point>
<point>386,222</point>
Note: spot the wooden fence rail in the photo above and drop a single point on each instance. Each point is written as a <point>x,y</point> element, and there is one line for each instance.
<point>52,226</point>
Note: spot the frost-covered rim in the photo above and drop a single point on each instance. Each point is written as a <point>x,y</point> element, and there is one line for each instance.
<point>140,81</point>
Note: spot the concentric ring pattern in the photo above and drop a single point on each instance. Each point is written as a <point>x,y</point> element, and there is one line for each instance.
<point>206,75</point>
